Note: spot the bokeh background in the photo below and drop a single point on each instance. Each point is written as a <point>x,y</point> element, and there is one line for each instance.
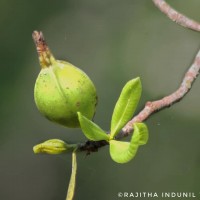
<point>113,41</point>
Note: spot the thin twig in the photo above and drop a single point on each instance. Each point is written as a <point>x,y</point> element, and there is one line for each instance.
<point>151,107</point>
<point>184,88</point>
<point>176,16</point>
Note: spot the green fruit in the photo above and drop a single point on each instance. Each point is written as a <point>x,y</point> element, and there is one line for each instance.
<point>61,89</point>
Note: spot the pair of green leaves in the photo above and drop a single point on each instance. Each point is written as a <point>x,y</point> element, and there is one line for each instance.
<point>121,152</point>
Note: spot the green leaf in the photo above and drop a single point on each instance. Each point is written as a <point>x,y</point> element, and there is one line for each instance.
<point>126,105</point>
<point>141,134</point>
<point>123,152</point>
<point>91,130</point>
<point>120,151</point>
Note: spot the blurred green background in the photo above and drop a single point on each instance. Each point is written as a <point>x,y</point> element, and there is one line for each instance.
<point>113,41</point>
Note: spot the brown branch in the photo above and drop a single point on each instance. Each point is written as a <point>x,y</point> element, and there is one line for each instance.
<point>184,88</point>
<point>152,107</point>
<point>176,16</point>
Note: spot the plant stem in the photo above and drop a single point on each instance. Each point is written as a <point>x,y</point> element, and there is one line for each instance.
<point>188,80</point>
<point>151,107</point>
<point>167,101</point>
<point>72,183</point>
<point>176,16</point>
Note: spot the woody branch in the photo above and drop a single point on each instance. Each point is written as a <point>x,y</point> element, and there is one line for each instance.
<point>176,16</point>
<point>184,88</point>
<point>153,106</point>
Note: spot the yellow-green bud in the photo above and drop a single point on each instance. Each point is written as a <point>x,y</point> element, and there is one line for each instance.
<point>53,146</point>
<point>61,89</point>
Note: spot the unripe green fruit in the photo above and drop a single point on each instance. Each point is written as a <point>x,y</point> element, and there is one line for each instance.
<point>61,89</point>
